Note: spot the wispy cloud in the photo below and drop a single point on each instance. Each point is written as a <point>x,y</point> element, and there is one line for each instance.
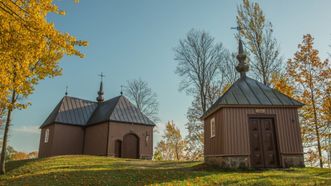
<point>31,129</point>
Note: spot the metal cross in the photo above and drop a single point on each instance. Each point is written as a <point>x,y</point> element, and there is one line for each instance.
<point>66,93</point>
<point>101,76</point>
<point>236,28</point>
<point>122,89</point>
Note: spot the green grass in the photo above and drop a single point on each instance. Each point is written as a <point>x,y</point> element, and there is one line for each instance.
<point>95,170</point>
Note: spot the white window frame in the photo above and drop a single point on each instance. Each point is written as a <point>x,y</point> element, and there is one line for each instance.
<point>212,128</point>
<point>46,136</point>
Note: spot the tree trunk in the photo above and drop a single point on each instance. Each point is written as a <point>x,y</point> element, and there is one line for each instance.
<point>5,138</point>
<point>319,145</point>
<point>176,151</point>
<point>317,133</point>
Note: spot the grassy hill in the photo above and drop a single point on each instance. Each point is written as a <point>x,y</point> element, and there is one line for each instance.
<point>94,170</point>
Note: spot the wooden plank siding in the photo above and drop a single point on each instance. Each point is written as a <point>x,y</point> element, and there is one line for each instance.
<point>232,134</point>
<point>96,139</point>
<point>62,140</point>
<point>118,130</point>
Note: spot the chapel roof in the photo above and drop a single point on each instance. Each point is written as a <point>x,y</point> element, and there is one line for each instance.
<point>119,109</point>
<point>80,112</point>
<point>250,92</point>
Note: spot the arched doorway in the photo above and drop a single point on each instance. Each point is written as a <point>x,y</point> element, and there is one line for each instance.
<point>118,148</point>
<point>130,146</point>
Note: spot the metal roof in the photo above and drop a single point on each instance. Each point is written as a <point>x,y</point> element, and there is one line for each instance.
<point>249,92</point>
<point>75,111</point>
<point>72,111</point>
<point>125,111</point>
<point>119,109</point>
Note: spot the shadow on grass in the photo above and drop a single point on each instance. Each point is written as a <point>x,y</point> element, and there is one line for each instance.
<point>139,172</point>
<point>151,176</point>
<point>108,177</point>
<point>11,165</point>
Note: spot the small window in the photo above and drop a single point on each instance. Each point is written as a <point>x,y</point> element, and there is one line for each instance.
<point>46,135</point>
<point>212,127</point>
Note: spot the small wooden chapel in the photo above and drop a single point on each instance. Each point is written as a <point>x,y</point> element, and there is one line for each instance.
<point>252,125</point>
<point>114,127</point>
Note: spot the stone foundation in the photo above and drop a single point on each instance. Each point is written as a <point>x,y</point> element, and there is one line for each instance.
<point>228,161</point>
<point>293,161</point>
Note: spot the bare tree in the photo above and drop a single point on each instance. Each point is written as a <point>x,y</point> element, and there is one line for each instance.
<point>257,34</point>
<point>228,70</point>
<point>143,97</point>
<point>198,58</point>
<point>199,63</point>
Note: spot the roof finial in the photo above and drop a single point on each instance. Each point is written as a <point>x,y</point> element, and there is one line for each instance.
<point>122,90</point>
<point>100,92</point>
<point>66,93</point>
<point>242,66</point>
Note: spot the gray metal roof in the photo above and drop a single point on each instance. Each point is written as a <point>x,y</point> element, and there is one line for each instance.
<point>72,111</point>
<point>119,109</point>
<point>81,112</point>
<point>249,92</point>
<point>125,111</point>
<point>102,113</point>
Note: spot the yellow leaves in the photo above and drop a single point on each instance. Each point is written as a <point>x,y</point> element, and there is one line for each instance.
<point>312,79</point>
<point>62,12</point>
<point>282,84</point>
<point>226,88</point>
<point>31,47</point>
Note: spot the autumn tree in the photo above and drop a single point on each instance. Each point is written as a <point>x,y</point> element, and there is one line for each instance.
<point>20,156</point>
<point>171,147</point>
<point>281,82</point>
<point>10,151</point>
<point>311,77</point>
<point>143,97</point>
<point>195,135</point>
<point>31,48</point>
<point>257,34</point>
<point>163,152</point>
<point>326,119</point>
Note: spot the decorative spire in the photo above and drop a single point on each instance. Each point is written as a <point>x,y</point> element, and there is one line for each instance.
<point>100,98</point>
<point>66,93</point>
<point>242,66</point>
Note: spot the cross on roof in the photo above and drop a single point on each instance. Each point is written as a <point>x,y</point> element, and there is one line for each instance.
<point>101,76</point>
<point>238,28</point>
<point>66,93</point>
<point>122,89</point>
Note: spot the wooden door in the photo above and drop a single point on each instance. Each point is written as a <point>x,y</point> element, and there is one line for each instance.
<point>130,146</point>
<point>263,143</point>
<point>118,148</point>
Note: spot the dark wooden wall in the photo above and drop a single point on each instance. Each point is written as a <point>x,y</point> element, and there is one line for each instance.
<point>118,130</point>
<point>95,142</point>
<point>232,135</point>
<point>63,139</point>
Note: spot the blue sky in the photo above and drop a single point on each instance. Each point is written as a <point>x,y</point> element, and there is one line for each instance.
<point>135,39</point>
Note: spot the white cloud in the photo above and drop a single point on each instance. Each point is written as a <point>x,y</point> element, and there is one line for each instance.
<point>31,129</point>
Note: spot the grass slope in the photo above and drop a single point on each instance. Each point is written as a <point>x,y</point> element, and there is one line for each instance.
<point>95,170</point>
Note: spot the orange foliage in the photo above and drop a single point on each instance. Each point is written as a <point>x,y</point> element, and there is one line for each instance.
<point>282,84</point>
<point>19,156</point>
<point>312,77</point>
